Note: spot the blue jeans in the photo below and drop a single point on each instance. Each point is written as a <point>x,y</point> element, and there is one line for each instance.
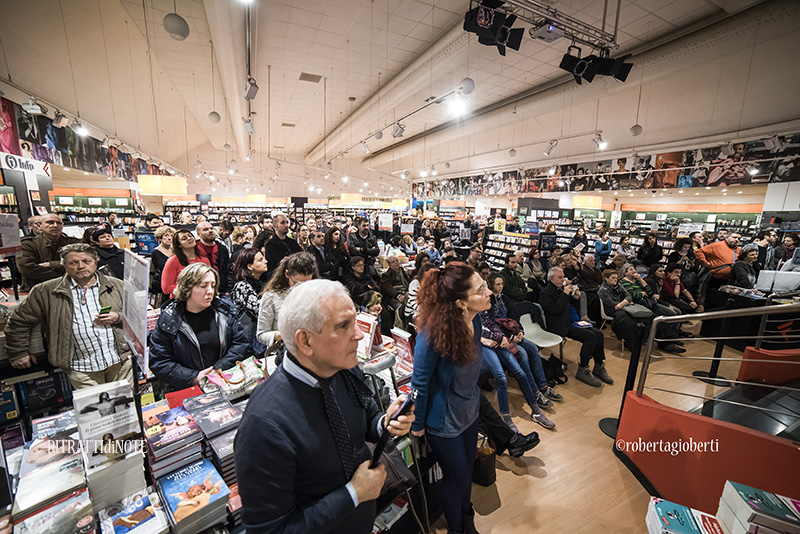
<point>492,363</point>
<point>456,456</point>
<point>514,367</point>
<point>532,365</point>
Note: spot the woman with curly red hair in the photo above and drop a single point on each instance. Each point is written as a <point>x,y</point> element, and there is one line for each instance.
<point>447,361</point>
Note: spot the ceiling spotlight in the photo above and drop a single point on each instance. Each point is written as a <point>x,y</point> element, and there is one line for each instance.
<point>230,170</point>
<point>248,125</point>
<point>590,66</point>
<point>423,173</point>
<point>364,147</point>
<point>551,147</point>
<point>250,154</point>
<point>33,107</point>
<point>753,170</point>
<point>447,165</point>
<point>774,143</point>
<point>79,128</point>
<point>598,141</point>
<point>366,184</point>
<point>106,142</point>
<point>319,190</point>
<point>433,171</point>
<point>60,120</point>
<point>378,134</point>
<point>398,129</point>
<point>458,104</point>
<point>512,152</point>
<point>345,178</point>
<point>176,26</point>
<point>250,88</point>
<point>493,27</point>
<point>552,170</point>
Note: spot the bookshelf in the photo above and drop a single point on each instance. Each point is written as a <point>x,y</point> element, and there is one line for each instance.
<point>498,245</point>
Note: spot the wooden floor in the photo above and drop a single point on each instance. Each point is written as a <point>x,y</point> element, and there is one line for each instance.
<point>572,482</point>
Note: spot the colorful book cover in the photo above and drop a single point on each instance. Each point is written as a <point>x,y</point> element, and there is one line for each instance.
<point>176,398</point>
<point>140,513</point>
<point>176,427</point>
<point>70,515</point>
<point>106,416</point>
<point>49,452</point>
<point>791,504</point>
<point>707,523</point>
<point>673,518</point>
<point>192,488</point>
<point>47,483</point>
<point>215,419</point>
<point>151,412</point>
<point>41,393</point>
<point>54,424</point>
<point>753,505</point>
<point>235,502</point>
<point>9,408</point>
<point>223,445</point>
<point>199,402</point>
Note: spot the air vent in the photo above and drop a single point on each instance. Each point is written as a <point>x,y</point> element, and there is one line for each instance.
<point>288,124</point>
<point>306,77</point>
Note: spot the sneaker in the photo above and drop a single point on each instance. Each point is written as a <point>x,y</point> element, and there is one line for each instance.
<point>507,420</point>
<point>543,420</point>
<point>600,372</point>
<point>551,394</point>
<point>518,444</point>
<point>584,375</point>
<point>543,401</point>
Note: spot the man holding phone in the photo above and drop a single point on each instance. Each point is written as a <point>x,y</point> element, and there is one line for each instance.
<point>80,321</point>
<point>301,453</point>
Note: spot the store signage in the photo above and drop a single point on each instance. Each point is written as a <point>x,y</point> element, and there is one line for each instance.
<point>134,304</point>
<point>406,229</point>
<point>9,234</point>
<point>385,221</point>
<point>18,163</point>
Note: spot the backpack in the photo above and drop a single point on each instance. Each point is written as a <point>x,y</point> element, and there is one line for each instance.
<point>554,370</point>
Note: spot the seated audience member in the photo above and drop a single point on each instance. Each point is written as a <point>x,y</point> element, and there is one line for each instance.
<point>112,259</point>
<point>305,466</point>
<point>523,269</point>
<point>655,279</point>
<point>793,265</point>
<point>394,283</point>
<point>357,281</point>
<point>484,270</point>
<point>89,346</point>
<point>335,246</point>
<point>624,247</point>
<point>326,260</point>
<point>408,246</point>
<point>39,260</point>
<point>185,252</point>
<point>674,293</point>
<point>513,286</point>
<point>538,267</point>
<point>615,299</point>
<point>682,254</point>
<point>297,268</point>
<point>603,247</point>
<point>650,252</point>
<point>421,244</point>
<point>785,251</point>
<point>180,360</point>
<point>250,265</point>
<point>571,266</point>
<point>410,309</point>
<point>237,240</point>
<point>558,310</point>
<point>719,257</point>
<point>579,238</point>
<point>642,294</point>
<point>159,257</point>
<point>433,254</point>
<point>216,253</point>
<point>590,278</point>
<point>743,273</point>
<point>526,365</point>
<point>372,306</point>
<point>475,256</point>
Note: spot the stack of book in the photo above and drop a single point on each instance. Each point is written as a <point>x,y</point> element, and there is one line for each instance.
<point>12,444</point>
<point>664,517</point>
<point>214,413</point>
<point>71,514</point>
<point>51,469</point>
<point>404,366</point>
<point>743,509</point>
<point>195,496</point>
<point>110,432</point>
<point>222,456</point>
<point>173,438</point>
<point>139,513</point>
<point>234,508</point>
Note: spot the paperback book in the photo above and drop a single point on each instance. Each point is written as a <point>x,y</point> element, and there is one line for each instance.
<point>175,428</point>
<point>665,517</point>
<point>139,513</point>
<point>193,492</point>
<point>107,421</point>
<point>214,414</point>
<point>752,505</point>
<point>54,424</point>
<point>72,514</point>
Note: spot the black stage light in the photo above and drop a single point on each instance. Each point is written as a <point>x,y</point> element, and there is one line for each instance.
<point>570,61</point>
<point>479,20</point>
<point>616,67</point>
<point>493,27</point>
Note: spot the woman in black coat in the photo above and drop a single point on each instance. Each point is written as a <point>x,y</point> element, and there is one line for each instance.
<point>357,281</point>
<point>650,252</point>
<point>743,274</point>
<point>196,332</point>
<point>335,248</point>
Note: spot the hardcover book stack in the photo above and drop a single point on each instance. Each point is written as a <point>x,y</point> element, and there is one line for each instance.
<point>139,513</point>
<point>743,509</point>
<point>404,366</point>
<point>234,508</point>
<point>72,514</point>
<point>664,517</point>
<point>173,438</point>
<point>110,431</point>
<point>218,419</point>
<point>195,496</point>
<point>51,471</point>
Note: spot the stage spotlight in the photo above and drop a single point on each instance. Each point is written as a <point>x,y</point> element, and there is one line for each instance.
<point>599,142</point>
<point>551,147</point>
<point>364,147</point>
<point>493,27</point>
<point>79,128</point>
<point>590,66</point>
<point>398,129</point>
<point>60,120</point>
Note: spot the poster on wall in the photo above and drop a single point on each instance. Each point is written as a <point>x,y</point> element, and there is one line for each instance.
<point>9,234</point>
<point>8,128</point>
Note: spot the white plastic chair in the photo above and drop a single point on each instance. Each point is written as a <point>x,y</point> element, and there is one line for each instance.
<point>537,335</point>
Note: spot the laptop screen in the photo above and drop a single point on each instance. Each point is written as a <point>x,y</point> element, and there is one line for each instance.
<point>765,281</point>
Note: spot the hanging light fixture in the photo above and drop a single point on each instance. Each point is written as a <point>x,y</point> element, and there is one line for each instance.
<point>599,142</point>
<point>552,146</point>
<point>433,171</point>
<point>364,147</point>
<point>176,26</point>
<point>79,128</point>
<point>398,129</point>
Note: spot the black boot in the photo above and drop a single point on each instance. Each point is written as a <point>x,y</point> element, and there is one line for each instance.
<point>469,523</point>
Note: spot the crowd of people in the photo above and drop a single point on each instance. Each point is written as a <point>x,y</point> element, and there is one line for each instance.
<point>229,292</point>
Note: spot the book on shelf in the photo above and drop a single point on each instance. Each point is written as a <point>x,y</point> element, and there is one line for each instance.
<point>139,513</point>
<point>194,495</point>
<point>168,429</point>
<point>214,413</point>
<point>72,514</point>
<point>751,506</point>
<point>39,393</point>
<point>107,420</point>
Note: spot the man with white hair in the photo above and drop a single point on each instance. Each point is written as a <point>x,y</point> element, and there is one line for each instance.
<point>300,450</point>
<point>280,246</point>
<point>561,317</point>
